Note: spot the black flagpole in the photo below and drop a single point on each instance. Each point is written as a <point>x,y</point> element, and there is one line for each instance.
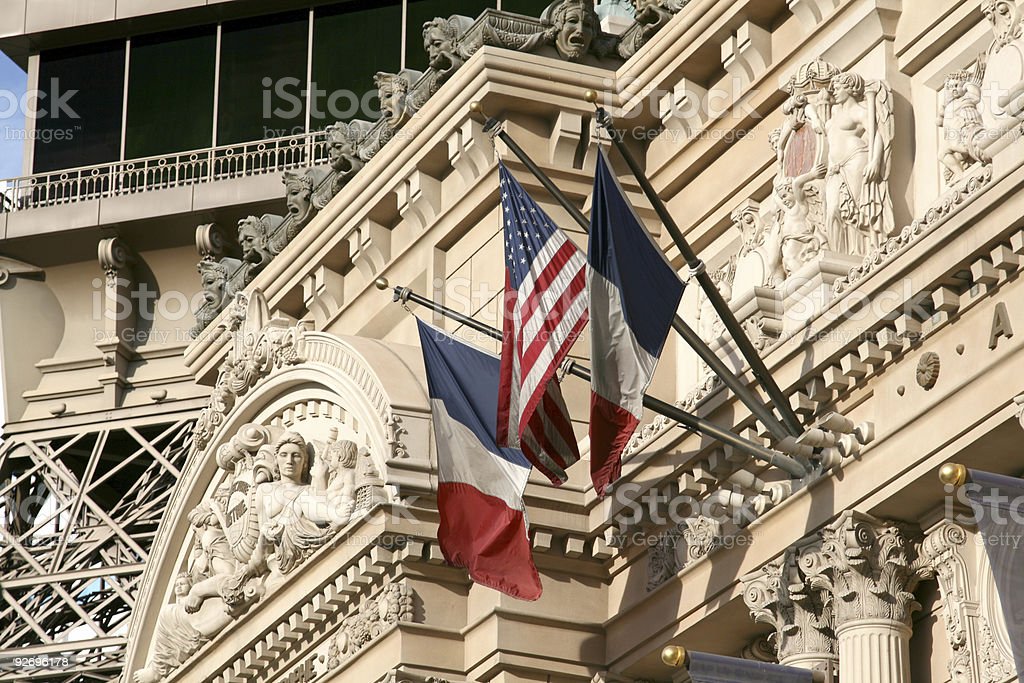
<point>689,420</point>
<point>696,266</point>
<point>689,335</point>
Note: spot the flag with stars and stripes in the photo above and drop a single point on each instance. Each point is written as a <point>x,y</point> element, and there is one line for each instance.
<point>544,312</point>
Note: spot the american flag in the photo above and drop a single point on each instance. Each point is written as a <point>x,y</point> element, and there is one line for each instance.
<point>545,311</point>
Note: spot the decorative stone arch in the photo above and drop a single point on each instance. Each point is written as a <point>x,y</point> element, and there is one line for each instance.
<point>276,378</point>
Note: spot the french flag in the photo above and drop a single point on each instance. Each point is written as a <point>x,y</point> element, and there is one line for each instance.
<point>634,294</point>
<point>480,486</point>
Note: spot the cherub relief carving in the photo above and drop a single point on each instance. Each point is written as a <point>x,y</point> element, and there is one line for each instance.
<point>963,131</point>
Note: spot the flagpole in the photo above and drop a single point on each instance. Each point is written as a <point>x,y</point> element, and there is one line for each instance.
<point>696,265</point>
<point>749,398</point>
<point>689,420</point>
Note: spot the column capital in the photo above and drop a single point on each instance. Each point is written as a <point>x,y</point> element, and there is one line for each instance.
<point>781,596</point>
<point>868,565</point>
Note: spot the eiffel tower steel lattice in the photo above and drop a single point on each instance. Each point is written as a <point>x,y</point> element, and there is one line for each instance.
<point>79,513</point>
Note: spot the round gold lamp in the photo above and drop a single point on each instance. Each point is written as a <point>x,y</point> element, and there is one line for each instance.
<point>953,474</point>
<point>674,656</point>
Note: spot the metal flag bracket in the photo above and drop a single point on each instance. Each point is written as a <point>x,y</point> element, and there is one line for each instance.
<point>788,464</point>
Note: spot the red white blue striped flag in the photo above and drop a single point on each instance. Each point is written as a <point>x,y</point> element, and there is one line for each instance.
<point>634,294</point>
<point>545,311</point>
<point>480,486</point>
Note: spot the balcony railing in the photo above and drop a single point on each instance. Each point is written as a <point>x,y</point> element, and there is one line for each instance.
<point>164,172</point>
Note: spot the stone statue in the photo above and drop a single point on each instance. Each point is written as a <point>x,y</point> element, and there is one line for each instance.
<point>574,25</point>
<point>1002,86</point>
<point>393,90</point>
<point>831,188</point>
<point>208,597</point>
<point>963,131</point>
<point>298,197</point>
<point>217,290</point>
<point>296,516</point>
<point>859,130</point>
<point>654,14</point>
<point>279,503</point>
<point>342,155</point>
<point>441,43</point>
<point>256,236</point>
<point>798,239</point>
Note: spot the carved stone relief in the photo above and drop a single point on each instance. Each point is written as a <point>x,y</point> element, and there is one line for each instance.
<point>679,547</point>
<point>833,155</point>
<point>1002,107</point>
<point>800,610</point>
<point>280,498</point>
<point>981,112</point>
<point>393,604</point>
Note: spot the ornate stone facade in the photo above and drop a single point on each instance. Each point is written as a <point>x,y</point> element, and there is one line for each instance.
<point>300,538</point>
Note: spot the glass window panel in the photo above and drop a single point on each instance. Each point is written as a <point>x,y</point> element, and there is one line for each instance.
<point>84,97</point>
<point>170,92</point>
<point>262,78</point>
<point>351,42</point>
<point>422,11</point>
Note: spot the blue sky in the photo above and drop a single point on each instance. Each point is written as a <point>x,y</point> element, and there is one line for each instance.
<point>12,80</point>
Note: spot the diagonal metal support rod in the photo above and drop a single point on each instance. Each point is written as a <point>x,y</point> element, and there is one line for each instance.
<point>689,420</point>
<point>743,343</point>
<point>689,335</point>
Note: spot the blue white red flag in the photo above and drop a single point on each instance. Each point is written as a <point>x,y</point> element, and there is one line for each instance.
<point>545,311</point>
<point>634,294</point>
<point>480,486</point>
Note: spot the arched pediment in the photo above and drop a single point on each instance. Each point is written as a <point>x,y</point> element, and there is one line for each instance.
<point>304,433</point>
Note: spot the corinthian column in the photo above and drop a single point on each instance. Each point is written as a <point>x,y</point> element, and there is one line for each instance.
<point>868,566</point>
<point>781,596</point>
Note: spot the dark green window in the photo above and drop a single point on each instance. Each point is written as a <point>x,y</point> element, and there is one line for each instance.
<point>170,92</point>
<point>263,78</point>
<point>84,97</point>
<point>531,8</point>
<point>351,42</point>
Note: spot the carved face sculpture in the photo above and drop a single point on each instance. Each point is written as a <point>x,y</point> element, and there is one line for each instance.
<point>339,149</point>
<point>297,194</point>
<point>291,458</point>
<point>182,584</point>
<point>955,86</point>
<point>784,191</point>
<point>576,25</point>
<point>437,42</point>
<point>391,94</point>
<point>1005,19</point>
<point>846,86</point>
<point>250,238</point>
<point>214,279</point>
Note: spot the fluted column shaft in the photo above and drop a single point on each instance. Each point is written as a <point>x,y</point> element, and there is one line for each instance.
<point>874,651</point>
<point>814,661</point>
